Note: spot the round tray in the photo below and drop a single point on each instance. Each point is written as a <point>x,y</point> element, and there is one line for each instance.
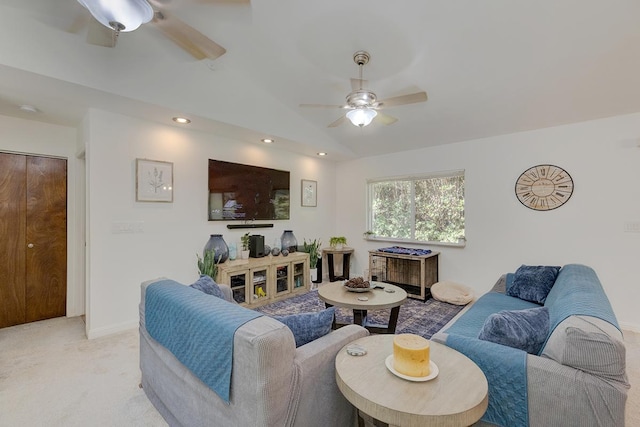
<point>356,289</point>
<point>434,371</point>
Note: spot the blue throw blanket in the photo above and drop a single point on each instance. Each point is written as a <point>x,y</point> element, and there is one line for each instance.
<point>405,251</point>
<point>197,328</point>
<point>577,291</point>
<point>506,372</point>
<point>505,369</point>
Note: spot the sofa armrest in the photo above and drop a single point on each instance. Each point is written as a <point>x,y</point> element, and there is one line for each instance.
<point>594,401</point>
<point>501,285</point>
<point>316,388</point>
<point>228,293</point>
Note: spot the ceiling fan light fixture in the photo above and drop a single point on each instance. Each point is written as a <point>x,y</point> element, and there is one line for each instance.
<point>120,15</point>
<point>361,116</point>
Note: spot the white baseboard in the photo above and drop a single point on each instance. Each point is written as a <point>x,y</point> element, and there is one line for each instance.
<point>114,329</point>
<point>630,327</point>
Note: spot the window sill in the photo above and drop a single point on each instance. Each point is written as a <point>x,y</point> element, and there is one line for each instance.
<point>417,242</point>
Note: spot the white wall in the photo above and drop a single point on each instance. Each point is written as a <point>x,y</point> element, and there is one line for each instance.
<point>603,159</point>
<point>29,137</point>
<point>172,232</point>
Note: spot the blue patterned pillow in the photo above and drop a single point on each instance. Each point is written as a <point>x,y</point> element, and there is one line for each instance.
<point>307,327</point>
<point>533,282</point>
<point>207,285</point>
<point>523,329</point>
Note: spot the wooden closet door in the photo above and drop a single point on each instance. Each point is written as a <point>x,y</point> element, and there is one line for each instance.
<point>46,238</point>
<point>12,239</point>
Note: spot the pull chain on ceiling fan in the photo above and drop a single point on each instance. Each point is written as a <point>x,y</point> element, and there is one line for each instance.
<point>363,103</point>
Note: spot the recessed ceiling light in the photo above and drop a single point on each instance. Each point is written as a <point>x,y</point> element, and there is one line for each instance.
<point>29,108</point>
<point>182,120</point>
<point>322,153</point>
<point>267,140</point>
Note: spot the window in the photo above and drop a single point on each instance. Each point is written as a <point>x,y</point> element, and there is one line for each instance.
<point>425,208</point>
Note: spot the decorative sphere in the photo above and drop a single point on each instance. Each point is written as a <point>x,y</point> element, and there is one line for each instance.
<point>267,249</point>
<point>275,251</point>
<point>284,252</point>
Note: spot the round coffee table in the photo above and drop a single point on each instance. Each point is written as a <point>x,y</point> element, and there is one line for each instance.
<point>458,396</point>
<point>335,294</point>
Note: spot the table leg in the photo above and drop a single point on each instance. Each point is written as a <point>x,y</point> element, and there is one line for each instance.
<point>345,266</point>
<point>359,317</point>
<point>332,273</point>
<point>393,320</point>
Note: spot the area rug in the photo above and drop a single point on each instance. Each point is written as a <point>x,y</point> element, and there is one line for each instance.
<point>416,317</point>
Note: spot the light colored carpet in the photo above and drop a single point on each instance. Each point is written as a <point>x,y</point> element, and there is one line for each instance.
<point>51,375</point>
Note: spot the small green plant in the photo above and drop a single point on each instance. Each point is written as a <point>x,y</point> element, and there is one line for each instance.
<point>368,234</point>
<point>245,241</point>
<point>340,240</point>
<point>207,263</point>
<point>313,249</point>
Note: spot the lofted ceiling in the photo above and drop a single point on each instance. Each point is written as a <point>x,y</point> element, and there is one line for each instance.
<point>489,67</point>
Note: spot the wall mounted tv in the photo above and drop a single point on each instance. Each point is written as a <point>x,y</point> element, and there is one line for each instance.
<point>245,193</point>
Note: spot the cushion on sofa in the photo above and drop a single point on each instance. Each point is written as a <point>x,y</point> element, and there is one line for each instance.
<point>533,282</point>
<point>523,329</point>
<point>589,344</point>
<point>307,327</point>
<point>207,285</point>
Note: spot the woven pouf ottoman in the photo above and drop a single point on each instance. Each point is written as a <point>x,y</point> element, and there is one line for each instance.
<point>451,292</point>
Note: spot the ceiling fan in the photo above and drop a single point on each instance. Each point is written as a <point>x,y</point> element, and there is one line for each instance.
<point>363,104</point>
<point>113,17</point>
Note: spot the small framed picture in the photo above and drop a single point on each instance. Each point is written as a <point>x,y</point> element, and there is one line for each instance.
<point>154,181</point>
<point>309,193</point>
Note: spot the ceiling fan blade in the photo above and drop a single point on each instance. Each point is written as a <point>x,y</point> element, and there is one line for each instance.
<point>100,35</point>
<point>187,37</point>
<point>337,122</point>
<point>402,100</point>
<point>323,106</point>
<point>80,20</point>
<point>384,119</point>
<point>359,84</point>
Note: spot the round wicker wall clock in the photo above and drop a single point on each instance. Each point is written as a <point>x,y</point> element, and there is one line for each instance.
<point>544,187</point>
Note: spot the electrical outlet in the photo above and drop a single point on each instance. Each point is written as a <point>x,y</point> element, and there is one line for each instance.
<point>632,227</point>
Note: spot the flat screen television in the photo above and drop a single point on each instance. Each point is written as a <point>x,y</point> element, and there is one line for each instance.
<point>245,193</point>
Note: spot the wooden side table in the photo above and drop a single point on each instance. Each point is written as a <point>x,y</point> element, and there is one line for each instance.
<point>458,396</point>
<point>376,299</point>
<point>346,258</point>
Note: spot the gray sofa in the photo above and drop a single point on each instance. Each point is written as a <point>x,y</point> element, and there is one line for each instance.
<point>273,383</point>
<point>577,379</point>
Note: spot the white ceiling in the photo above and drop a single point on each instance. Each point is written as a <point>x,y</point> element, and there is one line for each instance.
<point>489,67</point>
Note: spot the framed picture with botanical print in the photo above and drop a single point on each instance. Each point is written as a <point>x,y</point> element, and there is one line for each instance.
<point>309,193</point>
<point>154,181</point>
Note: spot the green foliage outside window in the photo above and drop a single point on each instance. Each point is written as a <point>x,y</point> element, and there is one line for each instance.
<point>426,208</point>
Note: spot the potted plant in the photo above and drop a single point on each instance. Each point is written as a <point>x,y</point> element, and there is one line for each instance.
<point>244,254</point>
<point>337,242</point>
<point>313,249</point>
<point>207,264</point>
<point>368,234</point>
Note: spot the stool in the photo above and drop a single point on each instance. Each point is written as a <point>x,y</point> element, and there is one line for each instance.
<point>346,258</point>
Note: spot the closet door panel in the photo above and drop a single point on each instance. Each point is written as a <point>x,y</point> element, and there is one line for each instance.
<point>12,239</point>
<point>46,236</point>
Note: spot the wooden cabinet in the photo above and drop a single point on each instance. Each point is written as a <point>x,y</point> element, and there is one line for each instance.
<point>258,281</point>
<point>413,273</point>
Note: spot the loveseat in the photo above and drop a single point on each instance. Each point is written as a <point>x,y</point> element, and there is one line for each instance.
<point>272,382</point>
<point>576,378</point>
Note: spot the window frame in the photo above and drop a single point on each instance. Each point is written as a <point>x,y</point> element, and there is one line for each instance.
<point>413,177</point>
